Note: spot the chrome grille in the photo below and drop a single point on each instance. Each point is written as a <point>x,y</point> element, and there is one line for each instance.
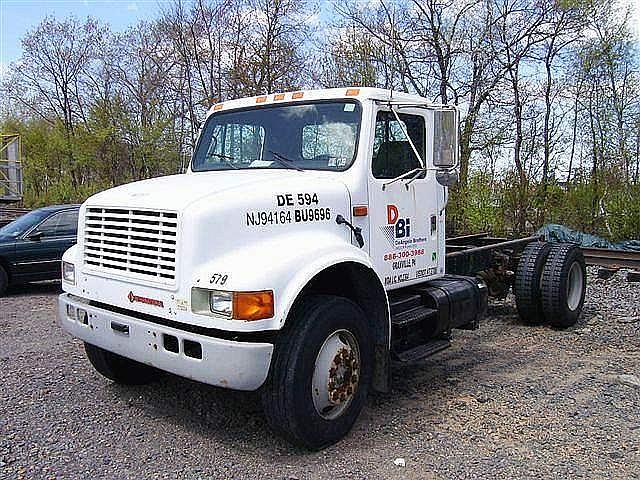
<point>134,243</point>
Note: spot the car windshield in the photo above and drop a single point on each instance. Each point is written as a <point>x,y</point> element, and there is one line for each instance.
<point>22,224</point>
<point>310,136</point>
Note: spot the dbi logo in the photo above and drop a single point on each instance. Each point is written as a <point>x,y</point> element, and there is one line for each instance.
<point>396,228</point>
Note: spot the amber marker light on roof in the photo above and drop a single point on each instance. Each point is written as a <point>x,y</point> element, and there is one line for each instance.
<point>352,92</point>
<point>253,305</point>
<point>278,96</point>
<point>261,99</point>
<point>297,95</point>
<point>360,211</point>
<point>218,106</point>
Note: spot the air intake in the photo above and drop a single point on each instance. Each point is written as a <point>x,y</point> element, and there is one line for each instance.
<point>133,243</point>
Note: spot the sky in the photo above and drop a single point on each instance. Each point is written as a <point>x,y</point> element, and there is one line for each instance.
<point>17,17</point>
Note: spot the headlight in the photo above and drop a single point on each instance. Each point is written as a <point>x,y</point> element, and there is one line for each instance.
<point>69,272</point>
<point>235,305</point>
<point>221,302</point>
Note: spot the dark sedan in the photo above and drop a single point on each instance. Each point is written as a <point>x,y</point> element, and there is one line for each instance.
<point>31,247</point>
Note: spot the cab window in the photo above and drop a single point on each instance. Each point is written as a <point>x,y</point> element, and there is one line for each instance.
<point>333,143</point>
<point>320,135</point>
<point>392,152</point>
<point>241,143</point>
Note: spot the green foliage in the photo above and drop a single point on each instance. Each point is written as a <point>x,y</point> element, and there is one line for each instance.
<point>493,206</point>
<point>58,168</point>
<point>476,208</point>
<point>623,213</point>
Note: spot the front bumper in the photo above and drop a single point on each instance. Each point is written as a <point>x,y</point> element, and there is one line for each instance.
<point>224,363</point>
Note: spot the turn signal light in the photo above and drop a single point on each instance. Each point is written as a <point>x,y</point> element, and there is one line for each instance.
<point>360,211</point>
<point>253,305</point>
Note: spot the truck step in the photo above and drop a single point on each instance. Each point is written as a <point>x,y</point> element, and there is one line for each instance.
<point>413,317</point>
<point>403,302</point>
<point>423,351</point>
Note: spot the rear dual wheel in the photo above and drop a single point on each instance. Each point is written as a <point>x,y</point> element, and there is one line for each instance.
<point>564,281</point>
<point>526,286</point>
<point>550,284</point>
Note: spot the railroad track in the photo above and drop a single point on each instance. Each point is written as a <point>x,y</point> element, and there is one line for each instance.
<point>611,258</point>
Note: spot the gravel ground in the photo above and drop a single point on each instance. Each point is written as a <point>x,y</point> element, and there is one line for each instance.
<point>506,401</point>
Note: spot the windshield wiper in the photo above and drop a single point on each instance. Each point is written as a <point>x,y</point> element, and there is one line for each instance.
<point>226,158</point>
<point>285,161</point>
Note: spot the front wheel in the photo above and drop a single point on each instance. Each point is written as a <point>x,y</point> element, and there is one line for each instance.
<point>120,369</point>
<point>4,281</point>
<point>320,373</point>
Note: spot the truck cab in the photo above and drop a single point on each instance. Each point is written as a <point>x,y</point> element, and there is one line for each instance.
<point>300,253</point>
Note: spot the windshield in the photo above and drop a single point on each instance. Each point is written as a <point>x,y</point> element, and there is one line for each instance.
<point>311,136</point>
<point>22,224</point>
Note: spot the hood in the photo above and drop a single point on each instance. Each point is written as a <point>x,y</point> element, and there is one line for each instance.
<point>176,192</point>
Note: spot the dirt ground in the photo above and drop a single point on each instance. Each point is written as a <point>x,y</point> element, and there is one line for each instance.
<point>506,401</point>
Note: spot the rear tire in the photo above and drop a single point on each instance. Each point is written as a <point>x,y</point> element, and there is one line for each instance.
<point>527,282</point>
<point>120,369</point>
<point>320,372</point>
<point>564,281</point>
<point>4,281</point>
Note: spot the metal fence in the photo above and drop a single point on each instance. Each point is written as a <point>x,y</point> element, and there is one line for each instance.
<point>10,168</point>
<point>8,214</point>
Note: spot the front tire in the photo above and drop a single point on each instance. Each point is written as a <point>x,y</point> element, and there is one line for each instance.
<point>120,369</point>
<point>4,281</point>
<point>564,282</point>
<point>320,373</point>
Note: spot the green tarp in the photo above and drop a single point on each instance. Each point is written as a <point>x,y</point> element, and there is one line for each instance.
<point>559,233</point>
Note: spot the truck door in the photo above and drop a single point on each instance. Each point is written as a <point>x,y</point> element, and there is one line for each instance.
<point>404,214</point>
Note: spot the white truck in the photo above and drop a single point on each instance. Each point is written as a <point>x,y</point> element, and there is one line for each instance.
<point>300,254</point>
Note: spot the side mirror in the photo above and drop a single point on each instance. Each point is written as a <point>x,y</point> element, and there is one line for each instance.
<point>446,178</point>
<point>35,236</point>
<point>445,138</point>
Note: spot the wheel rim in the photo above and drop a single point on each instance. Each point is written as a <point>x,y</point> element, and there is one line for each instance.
<point>336,374</point>
<point>574,286</point>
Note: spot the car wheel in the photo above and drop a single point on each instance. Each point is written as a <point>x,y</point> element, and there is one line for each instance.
<point>4,281</point>
<point>120,369</point>
<point>564,282</point>
<point>320,373</point>
<point>526,287</point>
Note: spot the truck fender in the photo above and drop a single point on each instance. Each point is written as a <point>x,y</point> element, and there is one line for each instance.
<point>366,289</point>
<point>71,255</point>
<point>303,277</point>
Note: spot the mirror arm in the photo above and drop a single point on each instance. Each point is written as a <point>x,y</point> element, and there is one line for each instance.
<point>414,177</point>
<point>357,231</point>
<point>400,177</point>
